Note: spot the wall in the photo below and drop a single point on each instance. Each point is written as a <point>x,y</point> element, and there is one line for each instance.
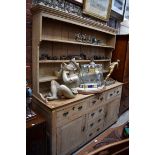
<point>124,27</point>
<point>28,41</point>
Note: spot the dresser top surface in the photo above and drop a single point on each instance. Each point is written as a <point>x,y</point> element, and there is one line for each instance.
<point>64,102</point>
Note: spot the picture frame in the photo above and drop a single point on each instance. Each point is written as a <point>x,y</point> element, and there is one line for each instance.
<point>118,6</point>
<point>97,8</point>
<point>79,1</point>
<point>126,10</point>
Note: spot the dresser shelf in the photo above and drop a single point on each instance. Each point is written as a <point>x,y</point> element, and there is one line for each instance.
<point>75,42</point>
<point>82,61</point>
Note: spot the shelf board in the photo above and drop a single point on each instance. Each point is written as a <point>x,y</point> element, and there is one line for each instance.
<point>60,61</point>
<point>66,102</point>
<point>47,78</point>
<point>73,42</point>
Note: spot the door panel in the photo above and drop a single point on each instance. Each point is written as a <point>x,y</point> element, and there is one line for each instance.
<point>70,136</point>
<point>112,110</point>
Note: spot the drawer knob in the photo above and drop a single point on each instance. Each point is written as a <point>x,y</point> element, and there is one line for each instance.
<point>100,110</point>
<point>94,102</point>
<point>65,114</point>
<point>91,124</point>
<point>101,99</point>
<point>99,120</point>
<point>92,114</point>
<point>79,108</point>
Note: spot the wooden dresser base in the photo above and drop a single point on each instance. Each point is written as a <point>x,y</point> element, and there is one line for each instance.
<point>72,124</point>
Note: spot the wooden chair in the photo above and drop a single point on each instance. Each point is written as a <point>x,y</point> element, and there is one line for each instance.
<point>117,148</point>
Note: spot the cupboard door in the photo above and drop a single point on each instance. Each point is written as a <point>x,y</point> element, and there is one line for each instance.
<point>111,114</point>
<point>124,99</point>
<point>70,136</point>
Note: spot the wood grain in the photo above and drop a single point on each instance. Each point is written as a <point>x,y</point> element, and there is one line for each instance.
<point>68,120</point>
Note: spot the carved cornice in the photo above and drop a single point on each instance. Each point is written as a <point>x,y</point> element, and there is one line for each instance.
<point>61,15</point>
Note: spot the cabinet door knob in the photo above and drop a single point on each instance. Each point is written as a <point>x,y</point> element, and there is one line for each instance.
<point>65,114</point>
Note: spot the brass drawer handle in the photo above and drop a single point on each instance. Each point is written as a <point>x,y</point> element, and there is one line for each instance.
<point>65,114</point>
<point>101,99</point>
<point>79,108</point>
<point>100,110</point>
<point>90,134</point>
<point>94,102</point>
<point>91,124</point>
<point>99,120</point>
<point>92,114</point>
<point>118,92</point>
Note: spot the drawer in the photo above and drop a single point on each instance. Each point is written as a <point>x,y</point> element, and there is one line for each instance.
<point>96,113</point>
<point>94,132</point>
<point>77,109</point>
<point>97,99</point>
<point>95,122</point>
<point>113,93</point>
